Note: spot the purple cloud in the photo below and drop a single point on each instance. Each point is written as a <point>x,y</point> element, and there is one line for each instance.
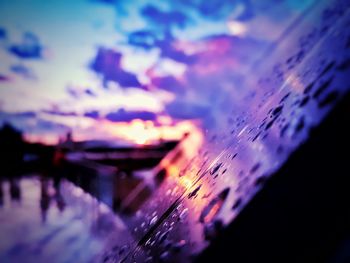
<point>126,116</point>
<point>107,64</point>
<point>28,48</point>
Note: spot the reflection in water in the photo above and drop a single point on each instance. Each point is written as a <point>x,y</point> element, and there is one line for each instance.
<point>15,190</point>
<point>32,229</point>
<point>50,192</point>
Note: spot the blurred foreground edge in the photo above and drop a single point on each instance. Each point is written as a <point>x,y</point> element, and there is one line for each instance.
<point>302,214</point>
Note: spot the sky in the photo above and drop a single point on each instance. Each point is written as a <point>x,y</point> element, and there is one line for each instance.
<point>65,64</point>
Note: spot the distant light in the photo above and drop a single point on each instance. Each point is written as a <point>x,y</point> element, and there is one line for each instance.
<point>237,28</point>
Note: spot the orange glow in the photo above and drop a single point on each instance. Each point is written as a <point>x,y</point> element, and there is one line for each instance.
<point>186,182</point>
<point>137,131</point>
<point>47,139</point>
<point>147,132</point>
<point>164,120</point>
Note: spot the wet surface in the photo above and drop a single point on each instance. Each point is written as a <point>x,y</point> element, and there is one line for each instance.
<point>234,164</point>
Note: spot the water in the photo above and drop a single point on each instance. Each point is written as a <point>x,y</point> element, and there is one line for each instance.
<point>44,223</point>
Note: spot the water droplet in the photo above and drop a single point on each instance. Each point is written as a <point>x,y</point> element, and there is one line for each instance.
<point>269,124</point>
<point>300,125</point>
<point>237,203</point>
<point>178,246</point>
<point>309,88</point>
<point>304,101</point>
<point>183,214</point>
<point>322,88</point>
<point>277,111</point>
<point>284,129</point>
<point>329,99</point>
<point>260,180</point>
<point>215,169</point>
<point>194,192</point>
<point>285,97</point>
<point>329,66</point>
<point>163,236</point>
<point>153,220</point>
<point>123,249</point>
<point>255,168</point>
<point>164,256</point>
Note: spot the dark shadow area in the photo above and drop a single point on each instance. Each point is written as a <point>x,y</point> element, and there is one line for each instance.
<point>302,214</point>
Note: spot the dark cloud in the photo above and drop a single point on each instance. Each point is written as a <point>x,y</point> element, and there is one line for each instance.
<point>60,113</point>
<point>28,48</point>
<point>165,19</point>
<point>126,116</point>
<point>107,64</point>
<point>23,121</point>
<point>142,38</point>
<point>23,71</point>
<point>148,39</point>
<point>168,83</point>
<point>92,114</point>
<point>213,67</point>
<point>89,92</point>
<point>73,93</point>
<point>77,93</point>
<point>219,9</point>
<point>233,48</point>
<point>46,126</point>
<point>3,33</point>
<point>3,77</point>
<point>167,50</point>
<point>24,114</point>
